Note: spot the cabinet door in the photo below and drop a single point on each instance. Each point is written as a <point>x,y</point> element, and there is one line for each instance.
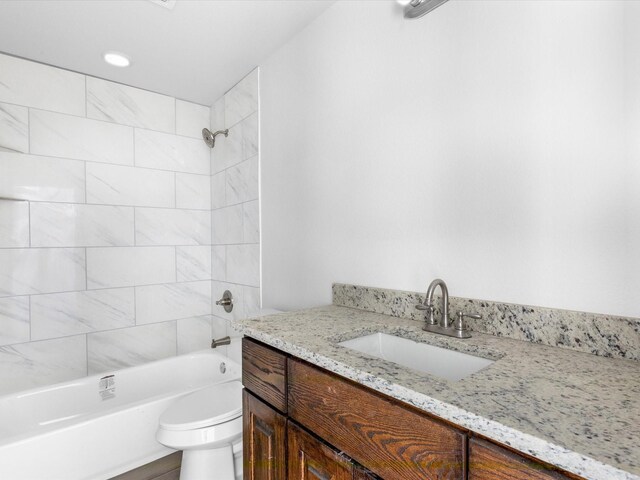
<point>310,459</point>
<point>361,473</point>
<point>491,462</point>
<point>264,440</point>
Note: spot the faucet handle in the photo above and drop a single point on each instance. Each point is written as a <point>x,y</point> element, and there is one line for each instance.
<point>431,320</point>
<point>459,323</point>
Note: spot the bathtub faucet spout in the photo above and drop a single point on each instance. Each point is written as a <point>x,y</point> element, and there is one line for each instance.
<point>220,341</point>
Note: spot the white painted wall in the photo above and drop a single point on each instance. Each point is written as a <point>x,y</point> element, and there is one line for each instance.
<point>484,144</point>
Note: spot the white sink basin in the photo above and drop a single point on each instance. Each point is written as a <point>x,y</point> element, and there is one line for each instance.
<point>418,356</point>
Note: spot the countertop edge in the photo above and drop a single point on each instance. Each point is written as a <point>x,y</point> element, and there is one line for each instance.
<point>558,456</point>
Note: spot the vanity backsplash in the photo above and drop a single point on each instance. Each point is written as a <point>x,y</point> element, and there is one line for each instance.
<point>604,335</point>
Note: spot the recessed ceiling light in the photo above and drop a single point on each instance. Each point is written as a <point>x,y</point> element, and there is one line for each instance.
<point>116,59</point>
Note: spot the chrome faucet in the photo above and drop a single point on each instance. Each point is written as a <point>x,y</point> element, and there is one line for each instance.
<point>444,321</point>
<point>444,326</point>
<point>220,341</point>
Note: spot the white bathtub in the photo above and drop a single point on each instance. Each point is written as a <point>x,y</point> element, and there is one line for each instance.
<point>67,431</point>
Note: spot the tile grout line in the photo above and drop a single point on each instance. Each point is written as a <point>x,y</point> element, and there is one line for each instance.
<point>30,326</point>
<point>135,306</point>
<point>121,287</point>
<point>93,332</point>
<point>130,165</point>
<point>86,351</point>
<point>29,130</point>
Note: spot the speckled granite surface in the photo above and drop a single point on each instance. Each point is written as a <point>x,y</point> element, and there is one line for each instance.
<point>578,411</point>
<point>603,335</point>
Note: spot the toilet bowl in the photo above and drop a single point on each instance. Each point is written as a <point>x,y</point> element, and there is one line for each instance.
<point>205,425</point>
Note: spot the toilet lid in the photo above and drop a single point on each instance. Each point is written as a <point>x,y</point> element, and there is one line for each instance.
<point>209,406</point>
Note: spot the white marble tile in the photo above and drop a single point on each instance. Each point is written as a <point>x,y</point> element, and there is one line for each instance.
<point>30,177</point>
<point>219,262</point>
<point>116,185</point>
<point>171,152</point>
<point>129,106</point>
<point>41,270</point>
<point>158,303</point>
<point>194,334</point>
<point>14,320</point>
<point>219,327</point>
<point>30,365</point>
<point>217,115</point>
<point>217,290</point>
<point>40,86</point>
<point>242,182</point>
<point>193,191</point>
<point>159,226</point>
<point>191,118</point>
<point>234,350</point>
<point>251,222</point>
<point>243,264</point>
<point>14,128</point>
<point>79,225</point>
<point>66,136</point>
<point>251,299</point>
<point>241,144</point>
<point>228,151</point>
<point>130,266</point>
<point>250,136</point>
<point>14,224</point>
<point>63,314</point>
<point>127,347</point>
<point>226,225</point>
<point>218,186</point>
<point>242,99</point>
<point>193,263</point>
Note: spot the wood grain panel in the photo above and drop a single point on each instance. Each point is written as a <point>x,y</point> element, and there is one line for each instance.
<point>491,462</point>
<point>310,459</point>
<point>391,440</point>
<point>264,440</point>
<point>360,473</point>
<point>264,372</point>
<point>165,468</point>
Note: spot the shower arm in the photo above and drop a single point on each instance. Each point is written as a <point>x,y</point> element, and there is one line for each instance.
<point>210,138</point>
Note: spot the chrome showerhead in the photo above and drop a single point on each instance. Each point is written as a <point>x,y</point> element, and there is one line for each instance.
<point>210,138</point>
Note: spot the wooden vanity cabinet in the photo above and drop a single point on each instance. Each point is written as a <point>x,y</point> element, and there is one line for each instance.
<point>304,423</point>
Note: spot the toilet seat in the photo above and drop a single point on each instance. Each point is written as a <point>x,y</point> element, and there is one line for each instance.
<point>210,406</point>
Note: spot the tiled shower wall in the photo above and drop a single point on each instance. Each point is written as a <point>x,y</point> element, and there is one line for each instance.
<point>105,224</point>
<point>235,220</point>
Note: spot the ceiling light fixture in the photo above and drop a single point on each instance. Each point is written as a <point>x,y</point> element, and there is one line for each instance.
<point>116,59</point>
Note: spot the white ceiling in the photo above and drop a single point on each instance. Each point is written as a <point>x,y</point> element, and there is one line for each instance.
<point>196,52</point>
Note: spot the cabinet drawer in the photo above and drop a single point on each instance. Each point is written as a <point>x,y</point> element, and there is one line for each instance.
<point>264,372</point>
<point>491,462</point>
<point>388,438</point>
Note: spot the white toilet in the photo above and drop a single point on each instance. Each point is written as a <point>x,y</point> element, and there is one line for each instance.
<point>205,425</point>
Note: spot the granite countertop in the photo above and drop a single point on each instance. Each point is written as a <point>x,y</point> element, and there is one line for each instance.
<point>574,410</point>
